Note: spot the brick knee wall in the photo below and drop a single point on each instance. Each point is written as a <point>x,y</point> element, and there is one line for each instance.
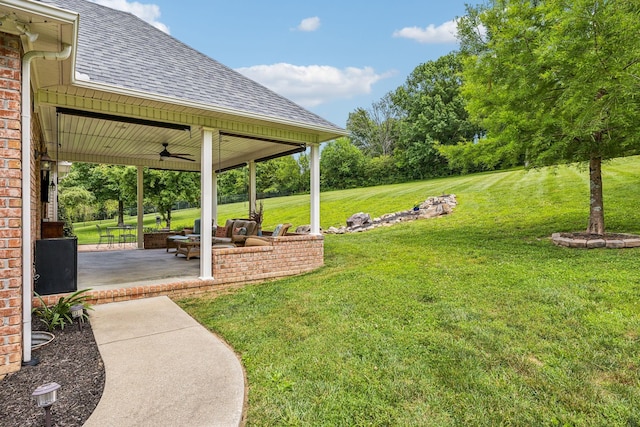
<point>286,256</point>
<point>10,206</point>
<point>232,269</point>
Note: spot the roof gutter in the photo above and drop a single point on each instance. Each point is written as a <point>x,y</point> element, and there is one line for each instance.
<point>27,262</point>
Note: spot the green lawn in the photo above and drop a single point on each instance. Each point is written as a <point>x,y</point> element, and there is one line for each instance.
<point>474,319</point>
<point>471,319</point>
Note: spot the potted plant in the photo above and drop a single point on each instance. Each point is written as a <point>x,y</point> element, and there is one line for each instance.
<point>257,216</point>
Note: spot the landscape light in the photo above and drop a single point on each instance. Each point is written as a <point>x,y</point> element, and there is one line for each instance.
<point>76,313</point>
<point>46,395</point>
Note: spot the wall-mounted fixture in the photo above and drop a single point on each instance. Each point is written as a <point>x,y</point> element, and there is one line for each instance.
<point>45,160</point>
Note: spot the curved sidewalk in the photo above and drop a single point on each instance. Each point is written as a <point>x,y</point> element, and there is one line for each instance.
<point>163,368</point>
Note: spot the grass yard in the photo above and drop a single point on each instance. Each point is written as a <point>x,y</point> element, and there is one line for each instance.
<point>475,319</point>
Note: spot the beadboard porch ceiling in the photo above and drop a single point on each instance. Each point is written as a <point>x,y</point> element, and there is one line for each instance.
<point>117,101</point>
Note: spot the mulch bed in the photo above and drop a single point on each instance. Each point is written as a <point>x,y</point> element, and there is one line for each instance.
<point>72,360</point>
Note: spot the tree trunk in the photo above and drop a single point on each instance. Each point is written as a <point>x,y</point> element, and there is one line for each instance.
<point>596,208</point>
<point>120,213</point>
<point>169,218</point>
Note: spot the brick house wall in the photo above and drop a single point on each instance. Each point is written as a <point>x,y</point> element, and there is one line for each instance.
<point>10,206</point>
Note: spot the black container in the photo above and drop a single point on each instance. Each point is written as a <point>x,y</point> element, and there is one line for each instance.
<point>56,266</point>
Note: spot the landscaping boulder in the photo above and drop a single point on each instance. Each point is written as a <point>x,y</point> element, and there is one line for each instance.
<point>359,220</point>
<point>431,208</point>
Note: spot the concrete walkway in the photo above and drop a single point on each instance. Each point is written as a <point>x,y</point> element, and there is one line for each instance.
<point>163,368</point>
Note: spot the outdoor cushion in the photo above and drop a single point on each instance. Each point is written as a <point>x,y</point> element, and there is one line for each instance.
<point>233,224</point>
<point>221,232</point>
<point>240,231</point>
<point>256,241</point>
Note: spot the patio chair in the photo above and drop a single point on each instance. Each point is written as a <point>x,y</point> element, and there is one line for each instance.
<point>279,231</point>
<point>127,235</point>
<point>106,235</point>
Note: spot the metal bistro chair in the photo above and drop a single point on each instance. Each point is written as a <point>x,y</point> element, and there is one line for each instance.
<point>106,235</point>
<point>127,235</point>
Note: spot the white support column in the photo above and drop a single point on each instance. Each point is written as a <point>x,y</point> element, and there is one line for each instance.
<point>314,166</point>
<point>214,198</point>
<point>140,194</point>
<point>252,187</point>
<point>206,203</point>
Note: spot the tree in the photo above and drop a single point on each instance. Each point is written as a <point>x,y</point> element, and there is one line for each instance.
<point>164,188</point>
<point>557,82</point>
<point>106,183</point>
<point>76,201</point>
<point>375,131</point>
<point>341,165</point>
<point>232,183</point>
<point>433,111</point>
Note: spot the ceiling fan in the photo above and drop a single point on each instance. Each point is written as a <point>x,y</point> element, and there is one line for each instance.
<point>165,154</point>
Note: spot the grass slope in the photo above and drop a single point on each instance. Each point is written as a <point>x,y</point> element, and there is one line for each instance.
<point>472,319</point>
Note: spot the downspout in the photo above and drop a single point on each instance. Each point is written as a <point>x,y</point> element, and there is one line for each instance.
<point>27,262</point>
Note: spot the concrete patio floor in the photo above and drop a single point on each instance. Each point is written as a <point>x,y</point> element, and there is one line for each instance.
<point>104,268</point>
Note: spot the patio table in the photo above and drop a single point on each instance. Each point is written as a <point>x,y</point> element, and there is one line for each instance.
<point>124,233</point>
<point>188,248</point>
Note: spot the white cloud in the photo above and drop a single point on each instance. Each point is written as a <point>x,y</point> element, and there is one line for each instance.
<point>445,33</point>
<point>309,24</point>
<point>147,12</point>
<point>313,85</point>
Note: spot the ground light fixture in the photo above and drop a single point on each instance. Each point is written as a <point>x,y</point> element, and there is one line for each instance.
<point>76,313</point>
<point>46,395</point>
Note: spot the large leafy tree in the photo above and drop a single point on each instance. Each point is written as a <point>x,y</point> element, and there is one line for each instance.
<point>106,183</point>
<point>164,188</point>
<point>556,82</point>
<point>375,130</point>
<point>341,165</point>
<point>433,111</point>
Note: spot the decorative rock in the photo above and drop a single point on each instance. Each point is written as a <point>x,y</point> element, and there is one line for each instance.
<point>596,243</point>
<point>615,244</point>
<point>303,229</point>
<point>358,220</point>
<point>431,208</point>
<point>632,243</point>
<point>583,240</point>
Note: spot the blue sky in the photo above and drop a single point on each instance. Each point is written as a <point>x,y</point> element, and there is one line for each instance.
<point>329,56</point>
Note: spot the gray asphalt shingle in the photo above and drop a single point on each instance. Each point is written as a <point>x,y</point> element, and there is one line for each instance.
<point>119,49</point>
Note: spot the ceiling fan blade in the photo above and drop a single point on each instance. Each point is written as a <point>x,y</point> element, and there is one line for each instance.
<point>175,156</point>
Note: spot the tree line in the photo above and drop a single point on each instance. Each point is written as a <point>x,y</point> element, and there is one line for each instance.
<point>98,191</point>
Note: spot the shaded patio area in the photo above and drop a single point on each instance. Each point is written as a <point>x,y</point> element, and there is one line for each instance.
<point>124,268</point>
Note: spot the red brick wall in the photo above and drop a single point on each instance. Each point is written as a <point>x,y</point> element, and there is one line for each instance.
<point>288,256</point>
<point>10,206</point>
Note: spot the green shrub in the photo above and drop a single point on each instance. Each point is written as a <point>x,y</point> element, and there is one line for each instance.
<point>59,315</point>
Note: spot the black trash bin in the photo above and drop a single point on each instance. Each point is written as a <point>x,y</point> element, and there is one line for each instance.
<point>56,266</point>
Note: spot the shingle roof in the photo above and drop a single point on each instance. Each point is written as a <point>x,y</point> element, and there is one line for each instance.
<point>119,49</point>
